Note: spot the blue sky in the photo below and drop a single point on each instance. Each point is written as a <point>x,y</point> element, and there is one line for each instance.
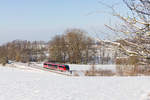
<point>42,19</point>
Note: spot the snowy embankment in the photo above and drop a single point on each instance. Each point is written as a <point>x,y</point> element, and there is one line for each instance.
<point>23,66</point>
<point>18,84</point>
<point>80,69</point>
<point>87,67</point>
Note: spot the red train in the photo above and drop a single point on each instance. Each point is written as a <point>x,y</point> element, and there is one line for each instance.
<point>56,66</point>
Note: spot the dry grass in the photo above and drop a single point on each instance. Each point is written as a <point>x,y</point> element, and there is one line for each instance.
<point>132,70</point>
<point>98,72</point>
<point>76,74</point>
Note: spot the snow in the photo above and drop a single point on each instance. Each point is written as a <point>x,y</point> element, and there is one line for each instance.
<point>23,66</point>
<point>87,67</point>
<point>21,84</point>
<point>146,96</point>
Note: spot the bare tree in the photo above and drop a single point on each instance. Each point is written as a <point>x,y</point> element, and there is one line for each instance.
<point>136,28</point>
<point>57,48</point>
<point>74,47</point>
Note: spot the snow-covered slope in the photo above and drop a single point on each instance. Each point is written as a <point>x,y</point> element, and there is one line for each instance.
<point>18,84</point>
<point>87,67</point>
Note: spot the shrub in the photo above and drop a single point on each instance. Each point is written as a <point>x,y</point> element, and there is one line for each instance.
<point>3,61</point>
<point>98,72</point>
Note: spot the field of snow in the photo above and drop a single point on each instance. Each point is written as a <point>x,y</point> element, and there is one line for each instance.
<point>22,84</point>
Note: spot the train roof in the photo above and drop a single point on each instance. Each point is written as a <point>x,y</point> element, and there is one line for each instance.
<point>55,64</point>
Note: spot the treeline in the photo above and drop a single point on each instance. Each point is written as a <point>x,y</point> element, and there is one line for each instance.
<point>74,46</point>
<point>22,51</point>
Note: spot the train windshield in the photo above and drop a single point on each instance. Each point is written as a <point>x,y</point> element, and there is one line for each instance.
<point>67,67</point>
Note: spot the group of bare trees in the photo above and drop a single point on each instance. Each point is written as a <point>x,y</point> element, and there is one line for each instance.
<point>73,46</point>
<point>22,51</point>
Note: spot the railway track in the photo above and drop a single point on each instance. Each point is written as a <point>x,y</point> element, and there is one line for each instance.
<point>35,66</point>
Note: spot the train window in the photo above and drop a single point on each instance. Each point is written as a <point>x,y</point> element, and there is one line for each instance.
<point>49,65</point>
<point>61,66</point>
<point>55,66</point>
<point>45,64</point>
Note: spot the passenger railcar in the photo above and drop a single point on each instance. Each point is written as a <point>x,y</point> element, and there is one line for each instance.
<point>53,66</point>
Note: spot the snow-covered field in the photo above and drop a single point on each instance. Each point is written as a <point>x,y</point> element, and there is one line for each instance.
<point>30,84</point>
